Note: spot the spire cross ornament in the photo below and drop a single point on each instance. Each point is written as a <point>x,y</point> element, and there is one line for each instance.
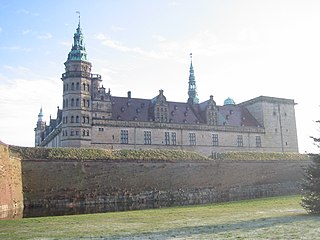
<point>191,56</point>
<point>77,12</point>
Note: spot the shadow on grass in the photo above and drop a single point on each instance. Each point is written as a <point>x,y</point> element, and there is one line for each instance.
<point>194,231</point>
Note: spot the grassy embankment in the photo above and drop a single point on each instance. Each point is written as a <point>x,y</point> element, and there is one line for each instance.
<point>272,218</point>
<point>142,155</point>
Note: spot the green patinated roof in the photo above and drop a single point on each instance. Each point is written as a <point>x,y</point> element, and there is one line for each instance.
<point>229,101</point>
<point>78,50</point>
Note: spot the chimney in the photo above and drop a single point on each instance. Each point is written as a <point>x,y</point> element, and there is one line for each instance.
<point>129,94</point>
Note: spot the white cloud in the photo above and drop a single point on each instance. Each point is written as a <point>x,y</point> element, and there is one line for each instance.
<point>17,48</point>
<point>117,28</point>
<point>18,69</point>
<point>66,43</point>
<point>159,38</point>
<point>173,3</point>
<point>45,36</point>
<point>27,12</point>
<point>107,41</point>
<point>26,31</point>
<point>20,101</point>
<point>23,11</point>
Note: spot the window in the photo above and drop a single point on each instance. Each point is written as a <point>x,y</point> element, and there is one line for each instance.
<point>77,133</point>
<point>77,102</point>
<point>87,119</point>
<point>215,140</point>
<point>192,138</point>
<point>258,141</point>
<point>124,137</point>
<point>240,140</point>
<point>72,119</point>
<point>167,138</point>
<point>84,87</point>
<point>87,132</point>
<point>88,103</point>
<point>72,86</point>
<point>147,137</point>
<point>71,133</point>
<point>83,119</point>
<point>83,132</point>
<point>72,102</point>
<point>66,102</point>
<point>77,119</point>
<point>77,86</point>
<point>84,102</point>
<point>101,130</point>
<point>173,138</point>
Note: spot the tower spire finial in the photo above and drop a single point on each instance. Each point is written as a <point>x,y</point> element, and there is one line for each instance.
<point>192,91</point>
<point>78,12</point>
<point>78,50</point>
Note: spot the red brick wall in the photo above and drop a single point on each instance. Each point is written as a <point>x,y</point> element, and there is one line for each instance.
<point>11,198</point>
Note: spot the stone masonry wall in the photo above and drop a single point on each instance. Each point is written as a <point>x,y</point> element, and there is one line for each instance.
<point>11,200</point>
<point>74,183</point>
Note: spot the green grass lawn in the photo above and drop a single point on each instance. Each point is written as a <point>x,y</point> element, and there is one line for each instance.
<point>269,218</point>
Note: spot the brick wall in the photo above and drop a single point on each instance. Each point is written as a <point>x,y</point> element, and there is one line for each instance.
<point>11,200</point>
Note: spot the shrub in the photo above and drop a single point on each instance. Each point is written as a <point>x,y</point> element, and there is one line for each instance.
<point>311,186</point>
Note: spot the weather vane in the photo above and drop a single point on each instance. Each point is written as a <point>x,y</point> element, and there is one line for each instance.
<point>77,12</point>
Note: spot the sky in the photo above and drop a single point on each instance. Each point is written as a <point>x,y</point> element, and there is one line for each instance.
<point>241,49</point>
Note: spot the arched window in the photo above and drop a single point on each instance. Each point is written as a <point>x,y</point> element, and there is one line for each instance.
<point>87,119</point>
<point>67,103</point>
<point>87,132</point>
<point>77,102</point>
<point>72,86</point>
<point>88,87</point>
<point>77,86</point>
<point>83,132</point>
<point>72,102</point>
<point>67,87</point>
<point>72,119</point>
<point>84,87</point>
<point>88,103</point>
<point>77,119</point>
<point>83,119</point>
<point>84,103</point>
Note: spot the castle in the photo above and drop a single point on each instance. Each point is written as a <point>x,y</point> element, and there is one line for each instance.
<point>92,117</point>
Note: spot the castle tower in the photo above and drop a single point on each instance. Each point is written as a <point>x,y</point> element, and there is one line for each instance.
<point>39,130</point>
<point>192,90</point>
<point>77,84</point>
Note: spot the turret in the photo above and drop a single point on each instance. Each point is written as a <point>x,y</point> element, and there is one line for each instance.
<point>40,129</point>
<point>77,99</point>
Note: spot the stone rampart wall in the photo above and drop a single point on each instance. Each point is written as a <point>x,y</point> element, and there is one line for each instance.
<point>76,183</point>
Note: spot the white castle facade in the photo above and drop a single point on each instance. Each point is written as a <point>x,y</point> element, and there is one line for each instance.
<point>92,117</point>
